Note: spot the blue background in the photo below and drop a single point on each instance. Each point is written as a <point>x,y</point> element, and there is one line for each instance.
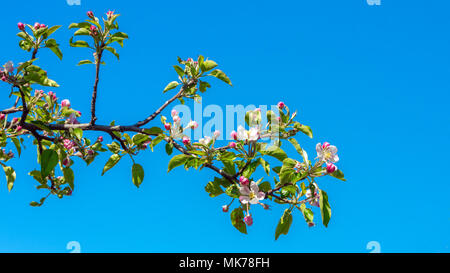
<point>372,80</point>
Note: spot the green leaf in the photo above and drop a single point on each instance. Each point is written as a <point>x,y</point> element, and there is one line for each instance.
<point>265,165</point>
<point>304,129</point>
<point>51,43</point>
<point>213,188</point>
<point>233,191</point>
<point>69,177</point>
<point>203,86</point>
<point>153,131</point>
<point>176,161</point>
<point>179,70</point>
<point>82,31</point>
<point>140,138</point>
<point>80,25</point>
<point>207,65</point>
<point>85,62</point>
<point>171,86</point>
<point>49,160</point>
<point>169,148</point>
<point>284,224</point>
<point>297,147</point>
<point>265,186</point>
<point>78,43</point>
<point>112,161</point>
<point>221,76</point>
<point>276,152</point>
<point>237,220</point>
<point>78,133</point>
<point>137,174</point>
<point>325,208</point>
<point>10,176</point>
<point>339,175</point>
<point>113,51</point>
<point>16,142</point>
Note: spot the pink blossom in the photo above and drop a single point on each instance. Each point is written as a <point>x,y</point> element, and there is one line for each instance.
<point>216,134</point>
<point>325,145</point>
<point>186,140</point>
<point>234,135</point>
<point>65,103</point>
<point>176,119</point>
<point>21,26</point>
<point>331,168</point>
<point>281,105</point>
<point>243,180</point>
<point>248,220</point>
<point>251,194</point>
<point>167,126</point>
<point>174,113</point>
<point>68,144</point>
<point>232,145</point>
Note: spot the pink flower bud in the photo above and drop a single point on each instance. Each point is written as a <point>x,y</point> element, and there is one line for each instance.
<point>93,28</point>
<point>42,26</point>
<point>258,109</point>
<point>225,208</point>
<point>331,168</point>
<point>37,26</point>
<point>176,119</point>
<point>174,113</point>
<point>311,224</point>
<point>216,134</point>
<point>90,14</point>
<point>50,93</point>
<point>79,113</point>
<point>65,103</point>
<point>232,145</point>
<point>18,128</point>
<point>109,14</point>
<point>244,180</point>
<point>281,105</point>
<point>248,220</point>
<point>167,126</point>
<point>234,135</point>
<point>194,125</point>
<point>21,26</point>
<point>325,145</point>
<point>100,139</point>
<point>2,116</point>
<point>186,140</point>
<point>69,192</point>
<point>66,162</point>
<point>4,78</point>
<point>14,120</point>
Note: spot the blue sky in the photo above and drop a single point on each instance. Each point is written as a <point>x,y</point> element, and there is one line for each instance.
<point>372,80</point>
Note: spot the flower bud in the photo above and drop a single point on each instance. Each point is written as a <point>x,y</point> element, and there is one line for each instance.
<point>186,140</point>
<point>248,220</point>
<point>176,119</point>
<point>174,113</point>
<point>37,26</point>
<point>225,208</point>
<point>234,135</point>
<point>232,145</point>
<point>21,26</point>
<point>4,79</point>
<point>193,124</point>
<point>93,29</point>
<point>2,116</point>
<point>167,126</point>
<point>325,145</point>
<point>14,120</point>
<point>69,192</point>
<point>18,128</point>
<point>110,14</point>
<point>66,162</point>
<point>65,103</point>
<point>281,105</point>
<point>311,224</point>
<point>331,168</point>
<point>244,180</point>
<point>100,139</point>
<point>90,14</point>
<point>216,134</point>
<point>42,26</point>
